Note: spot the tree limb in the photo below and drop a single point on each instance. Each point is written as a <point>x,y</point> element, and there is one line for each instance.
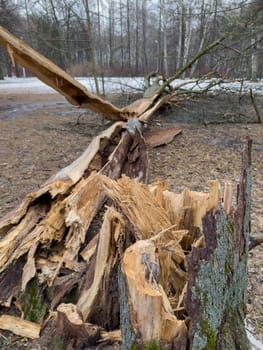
<point>255,105</point>
<point>56,77</point>
<point>254,241</point>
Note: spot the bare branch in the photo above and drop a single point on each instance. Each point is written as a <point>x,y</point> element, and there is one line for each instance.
<point>255,105</point>
<point>255,241</point>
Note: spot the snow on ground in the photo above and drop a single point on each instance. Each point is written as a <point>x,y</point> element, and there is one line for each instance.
<point>127,84</point>
<point>35,86</point>
<point>255,343</point>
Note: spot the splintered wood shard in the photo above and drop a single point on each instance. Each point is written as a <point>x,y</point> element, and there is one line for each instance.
<point>106,262</point>
<point>40,217</point>
<point>71,327</point>
<point>76,93</point>
<point>70,88</point>
<point>20,327</point>
<point>187,209</point>
<point>148,307</point>
<point>61,182</point>
<point>150,220</point>
<point>161,137</point>
<point>139,205</point>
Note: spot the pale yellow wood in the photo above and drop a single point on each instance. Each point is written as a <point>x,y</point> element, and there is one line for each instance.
<point>18,241</point>
<point>29,269</point>
<point>139,205</point>
<point>72,313</point>
<point>46,268</point>
<point>60,182</point>
<point>90,249</point>
<point>20,327</point>
<point>138,107</point>
<point>19,236</point>
<point>145,212</point>
<point>70,324</point>
<point>111,337</point>
<point>228,198</point>
<point>149,306</point>
<point>198,202</point>
<point>75,170</point>
<point>146,114</point>
<point>54,223</point>
<point>81,208</point>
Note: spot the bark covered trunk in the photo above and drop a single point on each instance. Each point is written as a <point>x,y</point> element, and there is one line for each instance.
<point>216,294</point>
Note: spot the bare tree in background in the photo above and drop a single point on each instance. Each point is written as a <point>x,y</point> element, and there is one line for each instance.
<point>125,37</point>
<point>10,19</point>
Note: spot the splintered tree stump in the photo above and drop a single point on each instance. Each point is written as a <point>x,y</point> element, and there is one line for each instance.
<point>160,269</point>
<point>216,291</point>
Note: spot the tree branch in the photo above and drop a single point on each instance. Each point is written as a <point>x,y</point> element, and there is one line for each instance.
<point>254,241</point>
<point>201,53</point>
<point>255,105</point>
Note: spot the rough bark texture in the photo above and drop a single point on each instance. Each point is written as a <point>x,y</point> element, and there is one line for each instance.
<point>216,294</point>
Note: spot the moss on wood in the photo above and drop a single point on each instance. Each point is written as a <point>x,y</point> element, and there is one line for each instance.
<point>219,292</point>
<point>32,301</point>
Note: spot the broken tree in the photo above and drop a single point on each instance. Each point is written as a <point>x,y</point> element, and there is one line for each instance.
<point>156,95</point>
<point>161,266</point>
<point>115,259</point>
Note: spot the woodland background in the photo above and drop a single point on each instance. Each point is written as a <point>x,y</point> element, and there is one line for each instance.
<point>135,37</point>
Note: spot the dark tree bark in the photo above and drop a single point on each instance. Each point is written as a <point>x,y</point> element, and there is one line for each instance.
<point>216,294</point>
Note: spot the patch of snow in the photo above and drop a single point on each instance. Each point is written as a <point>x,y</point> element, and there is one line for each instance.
<point>35,86</point>
<point>127,84</point>
<point>221,85</point>
<point>255,343</point>
<point>24,85</point>
<point>114,84</point>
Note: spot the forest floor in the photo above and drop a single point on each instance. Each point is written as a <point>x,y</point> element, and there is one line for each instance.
<point>40,134</point>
